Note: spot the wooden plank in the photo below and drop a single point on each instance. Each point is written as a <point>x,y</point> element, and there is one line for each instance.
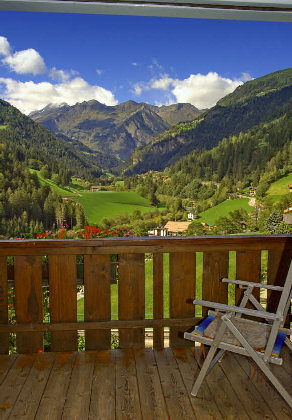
<point>176,396</point>
<point>103,401</point>
<point>5,364</point>
<point>79,392</point>
<point>268,394</point>
<point>127,392</point>
<point>131,292</point>
<point>31,394</point>
<point>63,296</point>
<point>97,304</point>
<point>150,390</point>
<point>92,246</point>
<point>158,332</point>
<point>95,325</point>
<point>204,406</point>
<point>54,395</point>
<point>215,267</point>
<point>278,266</point>
<point>244,388</point>
<point>248,268</point>
<point>224,396</point>
<point>28,301</point>
<point>4,337</point>
<point>13,383</point>
<point>182,278</point>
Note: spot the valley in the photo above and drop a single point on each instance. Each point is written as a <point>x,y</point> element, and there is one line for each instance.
<point>138,166</point>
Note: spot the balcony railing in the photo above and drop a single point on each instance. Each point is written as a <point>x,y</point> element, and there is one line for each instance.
<point>181,269</point>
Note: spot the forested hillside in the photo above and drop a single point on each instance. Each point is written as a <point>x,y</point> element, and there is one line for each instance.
<point>26,207</point>
<point>256,102</point>
<point>254,157</point>
<point>36,146</point>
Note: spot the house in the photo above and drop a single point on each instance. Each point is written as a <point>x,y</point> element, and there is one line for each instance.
<point>287,216</point>
<point>159,231</point>
<point>95,188</point>
<point>191,216</point>
<point>176,228</point>
<point>252,191</point>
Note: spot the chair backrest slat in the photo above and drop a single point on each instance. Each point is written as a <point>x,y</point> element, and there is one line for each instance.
<point>285,300</point>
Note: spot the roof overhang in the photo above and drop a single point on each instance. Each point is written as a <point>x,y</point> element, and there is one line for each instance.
<point>269,10</point>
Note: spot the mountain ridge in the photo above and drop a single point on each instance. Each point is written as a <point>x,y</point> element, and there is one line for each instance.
<point>116,130</point>
<point>227,118</point>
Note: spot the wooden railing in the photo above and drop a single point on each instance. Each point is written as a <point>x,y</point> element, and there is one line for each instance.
<point>52,264</point>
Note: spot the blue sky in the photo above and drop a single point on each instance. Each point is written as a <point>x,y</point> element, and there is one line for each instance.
<point>54,58</point>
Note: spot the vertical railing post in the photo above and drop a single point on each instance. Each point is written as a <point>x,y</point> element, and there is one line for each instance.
<point>28,301</point>
<point>131,292</point>
<point>215,267</point>
<point>63,296</point>
<point>182,278</point>
<point>248,268</point>
<point>4,337</point>
<point>97,304</point>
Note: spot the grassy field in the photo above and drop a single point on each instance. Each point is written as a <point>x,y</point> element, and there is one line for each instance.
<point>107,204</point>
<point>279,188</point>
<point>54,187</point>
<point>210,216</point>
<point>149,286</point>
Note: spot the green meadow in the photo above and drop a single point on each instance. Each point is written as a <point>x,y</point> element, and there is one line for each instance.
<point>108,204</point>
<point>59,190</point>
<point>279,188</point>
<point>211,215</point>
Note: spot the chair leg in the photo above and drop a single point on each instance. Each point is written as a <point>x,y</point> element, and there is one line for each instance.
<point>216,359</point>
<point>259,361</point>
<point>209,364</point>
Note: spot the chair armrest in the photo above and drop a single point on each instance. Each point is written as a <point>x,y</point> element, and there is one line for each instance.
<point>251,283</point>
<point>244,311</point>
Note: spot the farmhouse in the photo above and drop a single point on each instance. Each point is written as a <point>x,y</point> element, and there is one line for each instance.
<point>252,191</point>
<point>159,231</point>
<point>95,188</point>
<point>176,228</point>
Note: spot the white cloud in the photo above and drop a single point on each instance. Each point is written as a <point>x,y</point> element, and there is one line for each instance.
<point>61,75</point>
<point>26,61</point>
<point>245,77</point>
<point>99,71</point>
<point>155,65</point>
<point>31,96</point>
<point>203,91</point>
<point>163,83</point>
<point>4,46</point>
<point>135,64</point>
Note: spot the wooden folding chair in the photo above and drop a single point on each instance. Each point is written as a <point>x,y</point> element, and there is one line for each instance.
<point>225,329</point>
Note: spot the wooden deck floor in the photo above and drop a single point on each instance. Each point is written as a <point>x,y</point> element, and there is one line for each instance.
<point>142,384</point>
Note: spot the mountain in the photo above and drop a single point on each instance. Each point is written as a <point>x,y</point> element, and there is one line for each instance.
<point>36,146</point>
<point>256,102</point>
<point>113,130</point>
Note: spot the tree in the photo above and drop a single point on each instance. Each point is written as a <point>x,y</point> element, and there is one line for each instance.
<point>45,172</point>
<point>273,221</point>
<point>196,228</point>
<point>154,200</point>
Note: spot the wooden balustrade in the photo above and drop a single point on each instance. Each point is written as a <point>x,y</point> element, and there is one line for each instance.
<point>27,274</point>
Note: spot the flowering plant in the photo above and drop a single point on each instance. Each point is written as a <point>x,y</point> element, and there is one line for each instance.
<point>89,232</point>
